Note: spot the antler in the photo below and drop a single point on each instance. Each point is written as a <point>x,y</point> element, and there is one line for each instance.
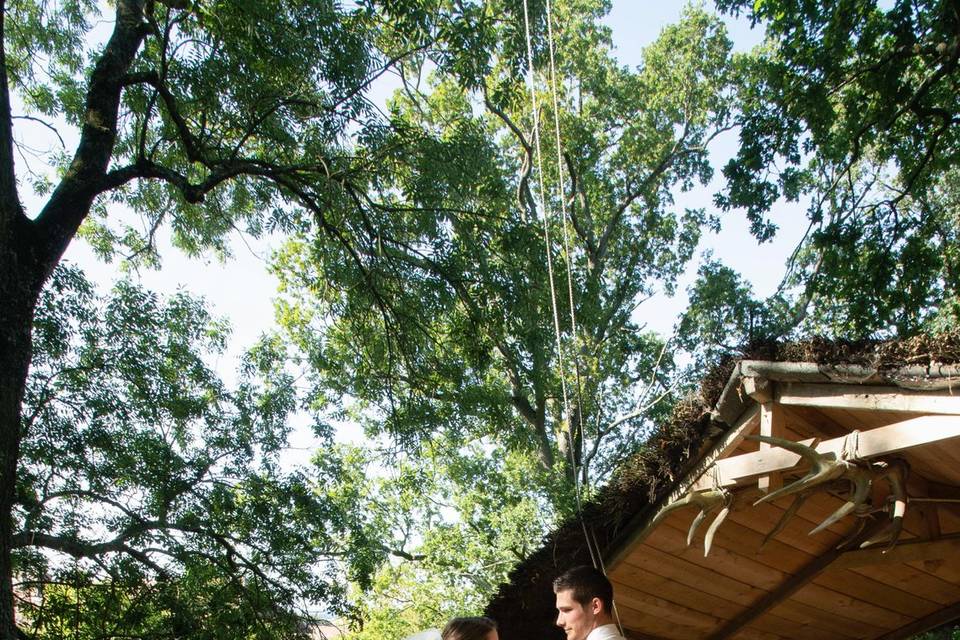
<point>706,501</point>
<point>782,522</point>
<point>895,473</point>
<point>708,539</point>
<point>823,468</point>
<point>861,478</point>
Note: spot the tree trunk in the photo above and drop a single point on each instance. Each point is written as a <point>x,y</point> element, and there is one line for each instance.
<point>20,283</point>
<point>18,296</point>
<point>30,249</point>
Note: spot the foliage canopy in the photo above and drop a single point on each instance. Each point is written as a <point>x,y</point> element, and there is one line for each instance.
<point>852,106</point>
<point>166,486</point>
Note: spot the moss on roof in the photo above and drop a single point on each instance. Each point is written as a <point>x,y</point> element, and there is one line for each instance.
<point>524,607</point>
<point>923,349</point>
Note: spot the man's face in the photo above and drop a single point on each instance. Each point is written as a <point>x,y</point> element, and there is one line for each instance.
<point>575,619</point>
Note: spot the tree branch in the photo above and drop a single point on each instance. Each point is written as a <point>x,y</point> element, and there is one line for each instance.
<point>406,555</point>
<point>80,549</point>
<point>631,196</point>
<point>70,202</point>
<point>152,78</point>
<point>525,197</point>
<point>43,123</point>
<point>583,228</point>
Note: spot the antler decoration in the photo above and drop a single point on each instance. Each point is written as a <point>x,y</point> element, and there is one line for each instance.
<point>895,473</point>
<point>825,469</point>
<point>707,501</point>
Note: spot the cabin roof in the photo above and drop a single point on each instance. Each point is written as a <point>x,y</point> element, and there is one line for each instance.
<point>895,398</point>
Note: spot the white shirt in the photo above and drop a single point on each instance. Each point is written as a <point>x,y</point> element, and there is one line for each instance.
<point>606,632</point>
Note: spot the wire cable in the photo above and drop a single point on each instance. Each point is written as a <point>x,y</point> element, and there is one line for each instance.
<point>565,218</point>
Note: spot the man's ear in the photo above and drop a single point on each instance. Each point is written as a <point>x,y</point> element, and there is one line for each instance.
<point>596,606</point>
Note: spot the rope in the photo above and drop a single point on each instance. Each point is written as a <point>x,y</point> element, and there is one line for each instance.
<point>565,217</point>
<point>715,475</point>
<point>603,568</point>
<point>594,549</point>
<point>851,447</point>
<point>574,330</point>
<point>546,237</point>
<point>531,81</point>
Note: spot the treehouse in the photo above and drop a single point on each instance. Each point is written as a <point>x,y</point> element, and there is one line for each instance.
<point>808,497</point>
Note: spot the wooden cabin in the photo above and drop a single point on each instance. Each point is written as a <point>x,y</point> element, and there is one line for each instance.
<point>878,464</point>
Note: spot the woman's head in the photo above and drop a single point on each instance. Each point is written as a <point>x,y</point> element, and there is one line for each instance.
<point>470,629</point>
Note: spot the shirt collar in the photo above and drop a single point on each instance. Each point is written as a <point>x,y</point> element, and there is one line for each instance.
<point>606,632</point>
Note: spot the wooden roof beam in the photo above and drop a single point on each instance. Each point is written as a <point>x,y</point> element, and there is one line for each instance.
<point>772,423</point>
<point>906,551</point>
<point>847,396</point>
<point>892,438</point>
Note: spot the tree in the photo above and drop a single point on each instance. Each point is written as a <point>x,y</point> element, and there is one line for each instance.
<point>463,516</point>
<point>449,325</point>
<point>206,115</point>
<point>947,632</point>
<point>852,104</point>
<point>722,315</point>
<point>151,498</point>
<point>445,339</point>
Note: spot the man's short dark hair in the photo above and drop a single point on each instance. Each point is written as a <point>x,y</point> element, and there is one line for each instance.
<point>586,583</point>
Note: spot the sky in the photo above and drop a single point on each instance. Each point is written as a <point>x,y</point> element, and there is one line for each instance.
<point>241,289</point>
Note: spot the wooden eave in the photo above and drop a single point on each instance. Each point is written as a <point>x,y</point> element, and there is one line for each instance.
<point>801,586</point>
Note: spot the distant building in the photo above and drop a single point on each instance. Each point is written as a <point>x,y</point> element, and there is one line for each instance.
<point>321,630</point>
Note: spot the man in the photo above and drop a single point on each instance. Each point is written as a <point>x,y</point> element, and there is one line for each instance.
<point>585,605</point>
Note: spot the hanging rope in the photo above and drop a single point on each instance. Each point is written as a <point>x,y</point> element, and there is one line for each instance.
<point>592,546</point>
<point>565,218</point>
<point>539,194</point>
